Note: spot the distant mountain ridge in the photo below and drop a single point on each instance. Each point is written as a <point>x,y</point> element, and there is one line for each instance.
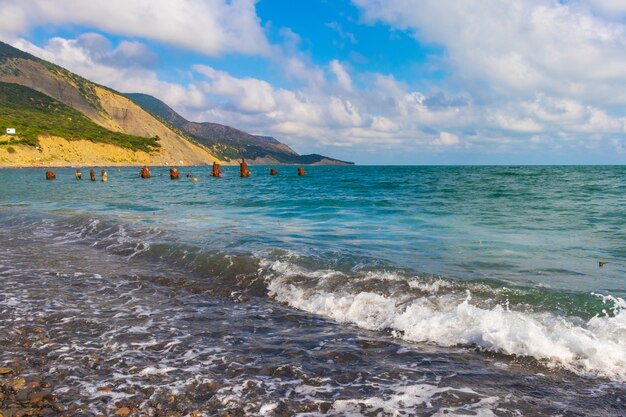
<point>227,142</point>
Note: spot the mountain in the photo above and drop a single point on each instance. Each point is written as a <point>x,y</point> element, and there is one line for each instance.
<point>75,121</point>
<point>229,143</point>
<point>62,118</point>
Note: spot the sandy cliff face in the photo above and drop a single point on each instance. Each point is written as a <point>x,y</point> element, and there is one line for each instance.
<point>132,119</point>
<point>56,151</point>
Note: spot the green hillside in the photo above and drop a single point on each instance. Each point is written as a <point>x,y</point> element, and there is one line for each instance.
<point>32,114</point>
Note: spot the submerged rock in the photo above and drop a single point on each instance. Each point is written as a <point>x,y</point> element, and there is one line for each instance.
<point>122,412</point>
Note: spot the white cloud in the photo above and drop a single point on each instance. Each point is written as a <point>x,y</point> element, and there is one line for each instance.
<point>210,27</point>
<point>446,139</point>
<point>14,20</point>
<point>608,8</point>
<point>343,78</point>
<point>383,124</point>
<point>92,56</point>
<point>336,26</point>
<point>515,48</point>
<point>247,94</point>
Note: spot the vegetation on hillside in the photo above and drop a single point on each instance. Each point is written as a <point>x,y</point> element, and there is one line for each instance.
<point>7,52</point>
<point>86,88</point>
<point>32,114</point>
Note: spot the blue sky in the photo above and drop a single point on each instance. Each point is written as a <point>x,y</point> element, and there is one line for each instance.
<point>371,81</point>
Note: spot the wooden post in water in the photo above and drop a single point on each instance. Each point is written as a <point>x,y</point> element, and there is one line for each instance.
<point>145,172</point>
<point>243,168</point>
<point>216,170</point>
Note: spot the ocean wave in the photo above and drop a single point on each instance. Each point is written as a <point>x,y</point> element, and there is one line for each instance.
<point>590,347</point>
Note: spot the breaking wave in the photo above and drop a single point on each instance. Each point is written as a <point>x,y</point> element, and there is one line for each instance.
<point>596,346</point>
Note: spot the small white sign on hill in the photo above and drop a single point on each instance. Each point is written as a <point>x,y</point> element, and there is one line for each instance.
<point>10,131</point>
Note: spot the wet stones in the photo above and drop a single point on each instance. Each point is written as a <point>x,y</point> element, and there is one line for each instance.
<point>204,391</point>
<point>342,357</point>
<point>123,412</point>
<point>18,384</point>
<point>50,175</point>
<point>21,399</point>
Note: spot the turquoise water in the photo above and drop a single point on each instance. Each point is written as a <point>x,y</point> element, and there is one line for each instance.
<point>531,226</point>
<point>502,260</point>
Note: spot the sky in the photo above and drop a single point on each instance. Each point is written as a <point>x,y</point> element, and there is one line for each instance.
<point>371,81</point>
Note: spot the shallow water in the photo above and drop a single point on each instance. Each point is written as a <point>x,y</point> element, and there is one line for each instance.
<point>350,291</point>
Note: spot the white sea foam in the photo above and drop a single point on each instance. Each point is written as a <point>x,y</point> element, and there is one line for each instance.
<point>596,346</point>
<point>152,370</point>
<point>397,400</point>
<point>411,396</point>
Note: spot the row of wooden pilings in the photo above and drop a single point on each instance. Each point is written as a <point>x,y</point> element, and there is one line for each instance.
<point>174,173</point>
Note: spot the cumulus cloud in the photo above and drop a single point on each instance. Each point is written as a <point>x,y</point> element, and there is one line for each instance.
<point>210,27</point>
<point>518,49</point>
<point>607,8</point>
<point>522,70</point>
<point>445,139</point>
<point>125,67</point>
<point>340,72</point>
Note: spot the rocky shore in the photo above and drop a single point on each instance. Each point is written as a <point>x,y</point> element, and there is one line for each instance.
<point>24,390</point>
<point>27,387</point>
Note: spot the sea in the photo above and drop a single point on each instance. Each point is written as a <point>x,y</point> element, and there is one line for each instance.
<point>350,291</point>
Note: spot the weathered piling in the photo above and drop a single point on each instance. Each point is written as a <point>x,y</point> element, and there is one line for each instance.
<point>243,168</point>
<point>216,170</point>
